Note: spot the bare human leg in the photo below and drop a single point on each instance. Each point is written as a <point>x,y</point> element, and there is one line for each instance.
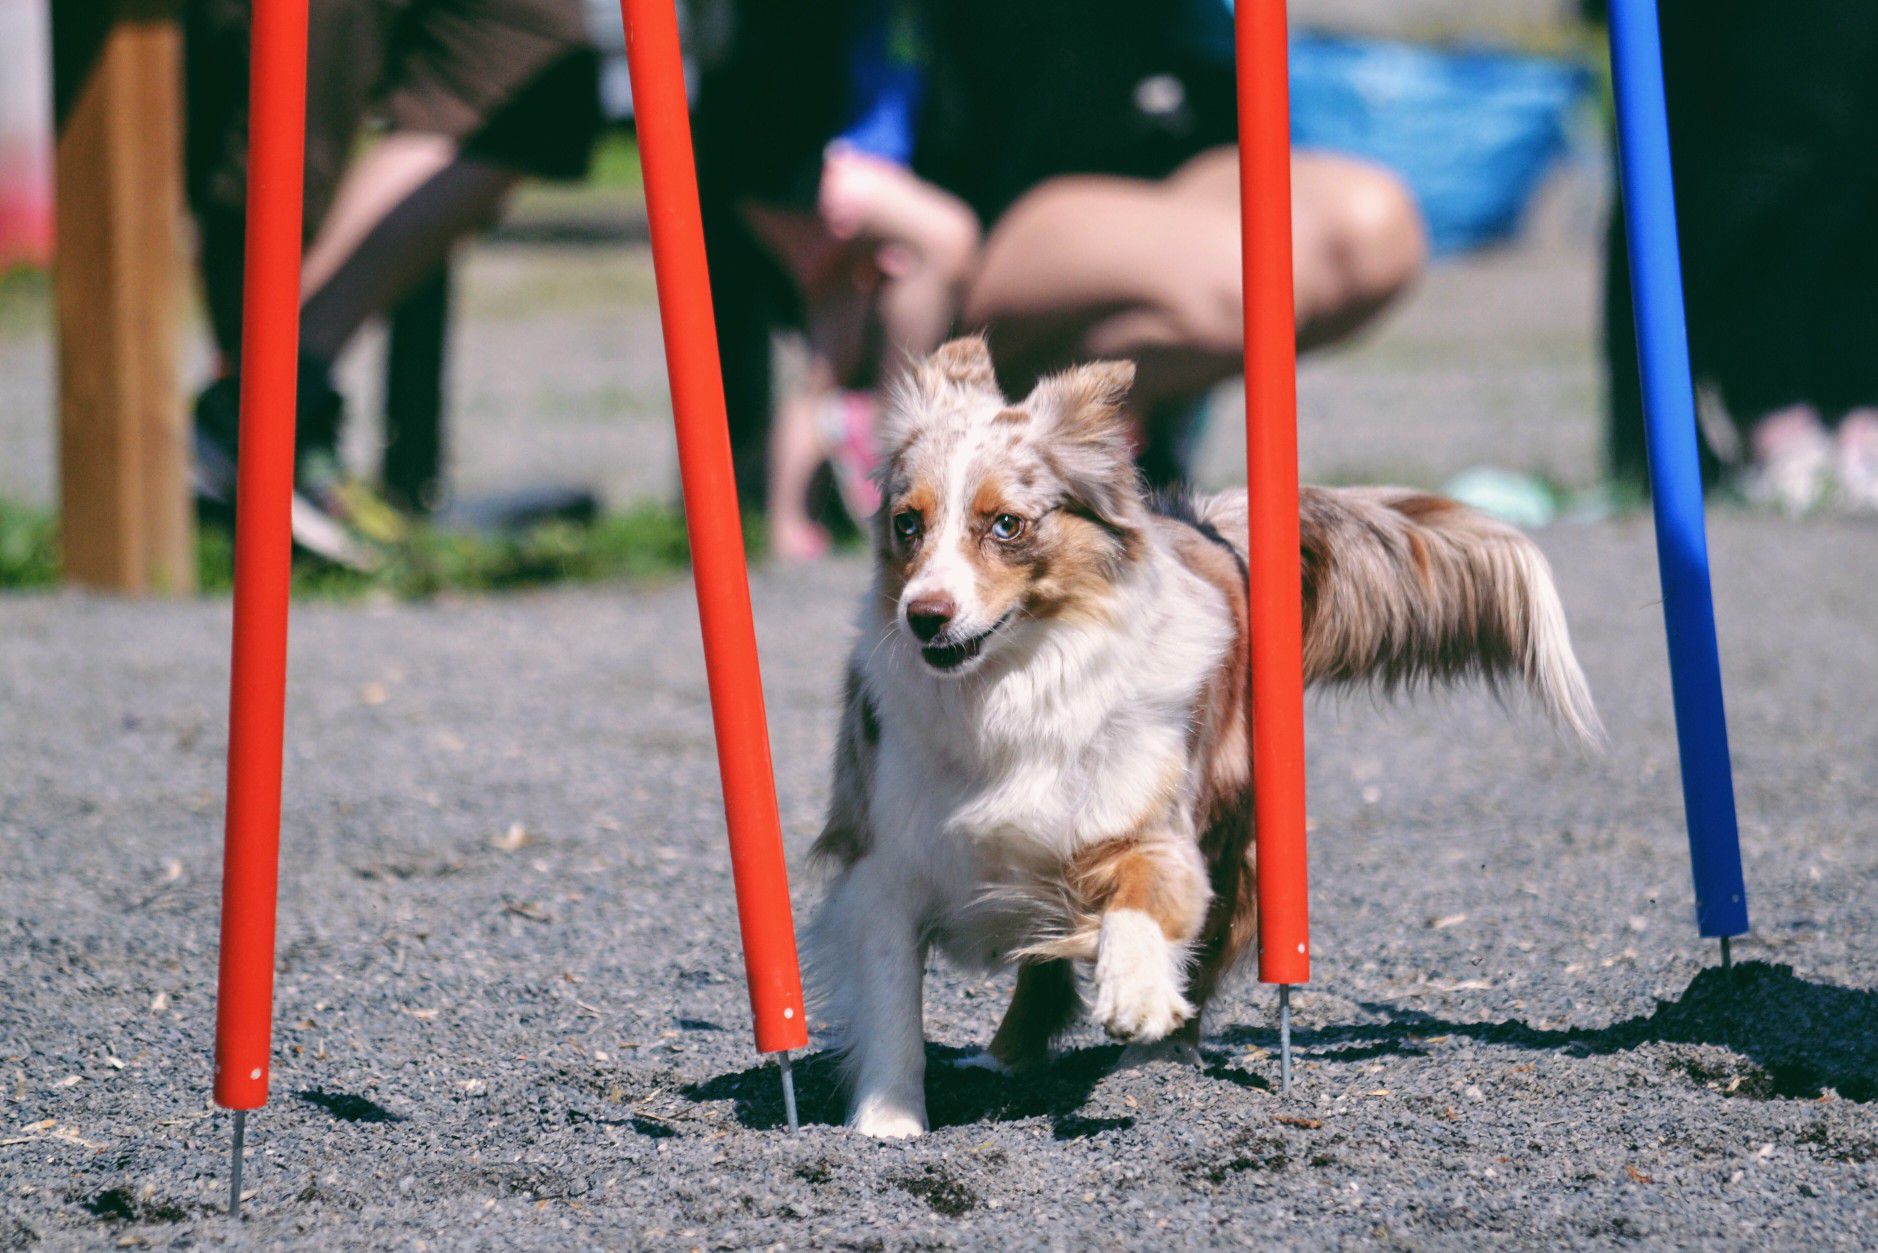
<point>400,210</point>
<point>1089,266</point>
<point>837,281</point>
<point>926,244</point>
<point>881,267</point>
<point>797,447</point>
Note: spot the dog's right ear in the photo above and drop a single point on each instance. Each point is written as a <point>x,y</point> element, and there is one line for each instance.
<point>1092,440</point>
<point>934,383</point>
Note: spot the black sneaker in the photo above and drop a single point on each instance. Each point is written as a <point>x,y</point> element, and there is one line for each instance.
<point>333,516</point>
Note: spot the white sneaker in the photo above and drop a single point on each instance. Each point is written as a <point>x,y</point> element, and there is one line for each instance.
<point>1857,464</point>
<point>1793,461</point>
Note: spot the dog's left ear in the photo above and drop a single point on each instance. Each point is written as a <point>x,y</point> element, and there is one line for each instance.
<point>964,362</point>
<point>1092,439</point>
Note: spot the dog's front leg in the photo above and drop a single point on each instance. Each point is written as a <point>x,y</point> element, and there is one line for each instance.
<point>1155,896</point>
<point>872,961</point>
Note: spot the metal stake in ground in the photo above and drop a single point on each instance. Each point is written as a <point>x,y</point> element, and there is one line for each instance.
<point>270,336</point>
<point>783,1063</point>
<point>716,528</point>
<point>1271,418</point>
<point>1675,471</point>
<point>1284,1038</point>
<point>237,1145</point>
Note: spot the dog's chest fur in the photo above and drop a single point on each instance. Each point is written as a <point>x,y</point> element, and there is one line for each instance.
<point>984,789</point>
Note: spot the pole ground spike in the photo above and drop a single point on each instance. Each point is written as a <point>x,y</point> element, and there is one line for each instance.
<point>788,1090</point>
<point>234,1164</point>
<point>1284,1038</point>
<point>1727,959</point>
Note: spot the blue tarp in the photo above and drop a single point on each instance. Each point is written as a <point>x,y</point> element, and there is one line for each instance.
<point>1472,132</point>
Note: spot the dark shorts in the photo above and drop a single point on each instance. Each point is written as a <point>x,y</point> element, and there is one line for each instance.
<point>514,82</point>
<point>1016,92</point>
<point>1024,92</point>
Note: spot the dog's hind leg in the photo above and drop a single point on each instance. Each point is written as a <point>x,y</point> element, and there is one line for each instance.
<point>1212,957</point>
<point>1044,1004</point>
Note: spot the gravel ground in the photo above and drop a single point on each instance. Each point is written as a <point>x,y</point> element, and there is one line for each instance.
<point>509,1010</point>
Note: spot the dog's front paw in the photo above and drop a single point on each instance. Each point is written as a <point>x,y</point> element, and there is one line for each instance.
<point>887,1120</point>
<point>1137,979</point>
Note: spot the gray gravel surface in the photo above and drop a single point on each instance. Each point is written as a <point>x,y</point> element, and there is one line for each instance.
<point>510,1010</point>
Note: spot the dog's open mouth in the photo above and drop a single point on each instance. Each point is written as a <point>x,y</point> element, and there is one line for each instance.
<point>952,656</point>
<point>948,657</point>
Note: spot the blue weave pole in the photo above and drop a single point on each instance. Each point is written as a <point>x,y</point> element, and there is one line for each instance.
<point>1708,794</point>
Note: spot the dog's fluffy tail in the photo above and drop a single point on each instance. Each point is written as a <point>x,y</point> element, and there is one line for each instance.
<point>1402,588</point>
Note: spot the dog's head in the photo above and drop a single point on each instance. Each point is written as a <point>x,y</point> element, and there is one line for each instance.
<point>1000,517</point>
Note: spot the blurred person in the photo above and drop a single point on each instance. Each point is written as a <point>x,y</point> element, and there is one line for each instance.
<point>1094,144</point>
<point>880,258</point>
<point>464,98</point>
<point>1773,114</point>
<point>1098,139</point>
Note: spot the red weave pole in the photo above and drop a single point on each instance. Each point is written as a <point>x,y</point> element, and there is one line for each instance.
<point>715,524</point>
<point>270,345</point>
<point>1271,426</point>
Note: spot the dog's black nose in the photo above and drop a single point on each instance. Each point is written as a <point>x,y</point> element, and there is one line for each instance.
<point>928,616</point>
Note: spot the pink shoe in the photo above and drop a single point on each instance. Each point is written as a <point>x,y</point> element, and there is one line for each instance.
<point>1857,468</point>
<point>849,429</point>
<point>1793,459</point>
<point>796,543</point>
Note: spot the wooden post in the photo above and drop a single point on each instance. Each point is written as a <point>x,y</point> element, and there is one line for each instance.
<point>123,433</point>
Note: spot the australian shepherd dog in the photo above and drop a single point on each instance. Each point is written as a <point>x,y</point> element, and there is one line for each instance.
<point>1044,754</point>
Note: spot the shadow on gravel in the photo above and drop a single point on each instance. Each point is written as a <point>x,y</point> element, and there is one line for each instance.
<point>1802,1037</point>
<point>955,1095</point>
<point>347,1107</point>
<point>118,1205</point>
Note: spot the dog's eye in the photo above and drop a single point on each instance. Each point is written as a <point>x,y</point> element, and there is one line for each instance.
<point>1006,527</point>
<point>906,523</point>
